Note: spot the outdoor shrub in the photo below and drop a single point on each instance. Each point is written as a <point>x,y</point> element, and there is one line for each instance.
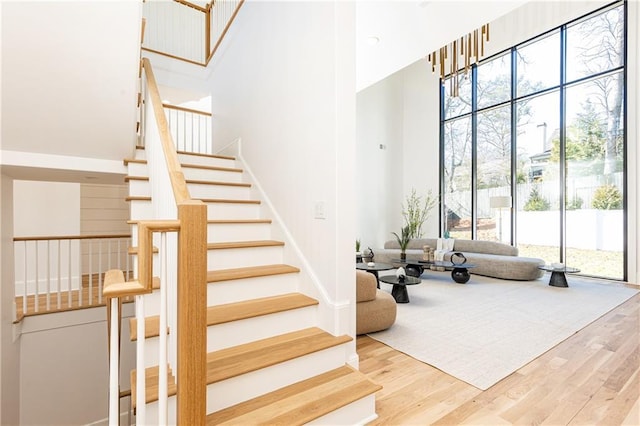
<point>575,203</point>
<point>536,202</point>
<point>607,197</point>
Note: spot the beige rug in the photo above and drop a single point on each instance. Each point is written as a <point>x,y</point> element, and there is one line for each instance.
<point>482,331</point>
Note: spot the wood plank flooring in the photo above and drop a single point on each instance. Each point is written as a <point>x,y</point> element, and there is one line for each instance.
<point>592,378</point>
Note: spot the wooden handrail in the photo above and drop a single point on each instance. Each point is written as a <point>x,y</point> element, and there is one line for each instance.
<point>72,237</point>
<point>178,184</point>
<point>179,108</point>
<point>224,32</point>
<point>191,5</point>
<point>192,272</point>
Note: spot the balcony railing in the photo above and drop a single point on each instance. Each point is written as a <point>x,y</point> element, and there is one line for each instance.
<point>187,31</point>
<point>190,129</point>
<point>57,273</point>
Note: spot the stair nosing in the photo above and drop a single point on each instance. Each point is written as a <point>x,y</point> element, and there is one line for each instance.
<point>252,308</point>
<point>198,154</point>
<point>217,183</point>
<point>231,274</point>
<point>212,168</point>
<point>228,201</point>
<point>244,244</point>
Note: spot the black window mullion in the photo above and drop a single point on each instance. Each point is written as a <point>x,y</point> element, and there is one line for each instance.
<point>474,151</point>
<point>443,211</point>
<point>514,143</point>
<point>563,135</point>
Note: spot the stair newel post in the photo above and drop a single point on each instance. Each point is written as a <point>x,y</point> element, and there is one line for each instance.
<point>192,313</point>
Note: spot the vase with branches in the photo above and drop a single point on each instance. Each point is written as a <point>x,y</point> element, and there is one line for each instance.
<point>416,210</point>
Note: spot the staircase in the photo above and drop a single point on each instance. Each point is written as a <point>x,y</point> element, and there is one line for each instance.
<point>268,361</point>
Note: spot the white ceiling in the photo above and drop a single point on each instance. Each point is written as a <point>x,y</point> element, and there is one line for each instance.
<point>69,73</point>
<point>410,29</point>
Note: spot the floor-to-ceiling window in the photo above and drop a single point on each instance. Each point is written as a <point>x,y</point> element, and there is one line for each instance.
<point>533,147</point>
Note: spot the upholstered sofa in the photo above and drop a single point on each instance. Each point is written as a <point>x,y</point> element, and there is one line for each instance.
<point>375,309</point>
<point>491,258</point>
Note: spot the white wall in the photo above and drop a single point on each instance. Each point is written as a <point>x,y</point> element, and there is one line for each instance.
<point>10,385</point>
<point>401,113</point>
<point>59,201</point>
<point>64,369</point>
<point>418,129</point>
<point>285,85</point>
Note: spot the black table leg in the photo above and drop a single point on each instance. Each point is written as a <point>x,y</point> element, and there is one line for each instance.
<point>399,292</point>
<point>558,279</point>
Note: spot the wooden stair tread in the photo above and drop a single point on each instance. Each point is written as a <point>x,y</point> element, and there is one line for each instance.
<point>237,221</point>
<point>151,327</point>
<point>197,154</point>
<point>134,160</point>
<point>301,402</point>
<point>137,198</point>
<point>219,314</point>
<point>228,201</point>
<point>216,168</point>
<point>244,244</point>
<point>241,359</point>
<point>218,183</point>
<point>152,383</point>
<point>140,178</point>
<point>249,272</point>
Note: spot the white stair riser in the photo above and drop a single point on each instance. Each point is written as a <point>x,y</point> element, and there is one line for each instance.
<point>140,154</point>
<point>232,211</point>
<point>241,257</point>
<point>137,169</point>
<point>224,232</point>
<point>225,335</point>
<point>206,161</point>
<point>227,192</point>
<point>219,293</point>
<point>193,173</point>
<point>359,412</point>
<point>237,389</point>
<point>234,333</point>
<point>139,188</point>
<point>140,210</point>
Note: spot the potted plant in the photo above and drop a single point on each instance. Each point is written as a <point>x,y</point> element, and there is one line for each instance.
<point>403,240</point>
<point>358,252</point>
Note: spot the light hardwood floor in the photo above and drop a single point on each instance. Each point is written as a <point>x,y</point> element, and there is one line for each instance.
<point>592,378</point>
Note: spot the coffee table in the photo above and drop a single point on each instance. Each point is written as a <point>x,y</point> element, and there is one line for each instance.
<point>558,277</point>
<point>459,271</point>
<point>399,290</point>
<point>374,269</point>
<point>413,268</point>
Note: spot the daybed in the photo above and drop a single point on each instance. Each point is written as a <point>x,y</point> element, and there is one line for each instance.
<point>492,258</point>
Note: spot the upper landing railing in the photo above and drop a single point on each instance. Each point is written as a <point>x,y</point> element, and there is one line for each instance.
<point>187,31</point>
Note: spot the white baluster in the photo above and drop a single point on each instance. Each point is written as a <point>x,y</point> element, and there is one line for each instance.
<point>48,275</point>
<point>141,407</point>
<point>162,335</point>
<point>24,295</point>
<point>114,368</point>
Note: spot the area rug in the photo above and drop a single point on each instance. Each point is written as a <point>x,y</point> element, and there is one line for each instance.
<point>484,330</point>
